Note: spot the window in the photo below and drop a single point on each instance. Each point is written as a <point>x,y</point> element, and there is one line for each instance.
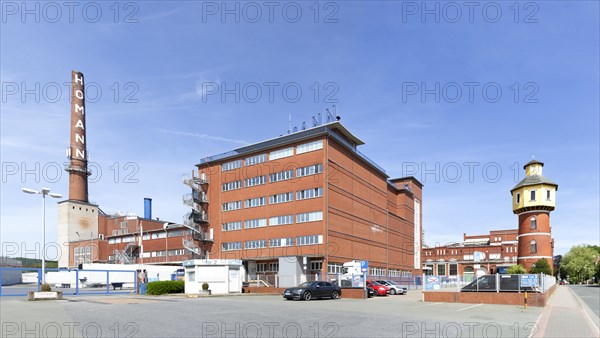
<point>277,154</point>
<point>311,146</point>
<point>261,243</point>
<point>281,198</point>
<point>176,233</point>
<point>255,223</point>
<point>258,180</point>
<point>101,237</point>
<point>123,224</point>
<point>232,206</point>
<point>232,185</point>
<point>278,242</point>
<point>377,271</point>
<point>518,197</point>
<point>547,195</point>
<point>281,220</point>
<point>532,195</point>
<point>231,165</point>
<point>229,226</point>
<point>453,269</point>
<point>441,269</point>
<point>231,246</point>
<point>255,202</point>
<point>309,240</point>
<point>274,267</point>
<point>393,273</point>
<point>158,235</point>
<point>261,267</point>
<point>533,247</point>
<point>406,274</point>
<point>146,237</point>
<point>191,276</point>
<point>309,193</point>
<point>316,265</point>
<point>310,170</point>
<point>281,176</point>
<point>128,239</point>
<point>309,217</point>
<point>255,159</point>
<point>334,268</point>
<point>533,223</point>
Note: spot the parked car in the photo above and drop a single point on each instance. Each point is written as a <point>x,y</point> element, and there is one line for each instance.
<point>395,288</point>
<point>381,289</point>
<point>313,290</point>
<point>564,282</point>
<point>371,292</point>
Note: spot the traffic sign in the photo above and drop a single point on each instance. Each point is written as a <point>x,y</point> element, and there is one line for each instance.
<point>364,266</point>
<point>530,281</point>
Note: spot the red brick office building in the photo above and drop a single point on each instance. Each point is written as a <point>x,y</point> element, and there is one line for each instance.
<point>305,203</point>
<point>476,255</point>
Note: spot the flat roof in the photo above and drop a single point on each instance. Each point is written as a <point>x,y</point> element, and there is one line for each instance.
<point>322,130</point>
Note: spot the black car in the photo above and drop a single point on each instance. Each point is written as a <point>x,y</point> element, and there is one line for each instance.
<point>312,290</point>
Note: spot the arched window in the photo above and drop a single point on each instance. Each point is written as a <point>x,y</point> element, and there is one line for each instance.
<point>533,222</point>
<point>533,247</point>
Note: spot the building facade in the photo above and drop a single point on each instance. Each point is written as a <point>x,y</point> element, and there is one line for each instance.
<point>305,203</point>
<point>476,255</point>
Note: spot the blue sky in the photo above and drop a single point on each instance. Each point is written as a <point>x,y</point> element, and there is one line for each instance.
<point>394,75</point>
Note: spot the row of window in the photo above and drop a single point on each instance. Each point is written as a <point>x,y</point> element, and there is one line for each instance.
<point>304,217</point>
<point>273,199</point>
<point>335,268</point>
<point>149,236</point>
<point>532,196</point>
<point>275,177</point>
<point>274,155</point>
<point>274,267</point>
<point>274,242</point>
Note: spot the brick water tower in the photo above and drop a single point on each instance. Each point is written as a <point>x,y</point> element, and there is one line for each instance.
<point>533,199</point>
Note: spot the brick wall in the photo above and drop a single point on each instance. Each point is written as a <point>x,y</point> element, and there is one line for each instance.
<point>506,298</point>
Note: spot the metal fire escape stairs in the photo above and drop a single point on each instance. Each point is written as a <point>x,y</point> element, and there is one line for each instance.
<point>201,238</point>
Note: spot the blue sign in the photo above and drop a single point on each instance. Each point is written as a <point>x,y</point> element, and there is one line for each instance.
<point>530,281</point>
<point>364,266</point>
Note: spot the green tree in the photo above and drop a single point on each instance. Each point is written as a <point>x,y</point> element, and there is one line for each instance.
<point>516,270</point>
<point>580,263</point>
<point>541,266</point>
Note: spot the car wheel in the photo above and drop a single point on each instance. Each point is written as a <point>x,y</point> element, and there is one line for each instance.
<point>392,291</point>
<point>335,295</point>
<point>306,295</point>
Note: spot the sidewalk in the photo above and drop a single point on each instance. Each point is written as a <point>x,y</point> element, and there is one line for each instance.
<point>566,316</point>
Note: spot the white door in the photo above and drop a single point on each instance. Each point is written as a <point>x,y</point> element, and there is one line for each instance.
<point>234,280</point>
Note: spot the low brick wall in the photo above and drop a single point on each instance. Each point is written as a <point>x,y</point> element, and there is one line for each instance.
<point>506,298</point>
<point>263,289</point>
<point>355,293</point>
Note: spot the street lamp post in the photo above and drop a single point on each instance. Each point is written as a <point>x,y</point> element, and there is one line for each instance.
<point>43,192</point>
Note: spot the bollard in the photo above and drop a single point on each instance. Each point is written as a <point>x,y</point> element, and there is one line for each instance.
<point>525,299</point>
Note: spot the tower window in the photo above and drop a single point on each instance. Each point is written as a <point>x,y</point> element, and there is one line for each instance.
<point>548,195</point>
<point>533,247</point>
<point>518,197</point>
<point>532,195</point>
<point>533,223</point>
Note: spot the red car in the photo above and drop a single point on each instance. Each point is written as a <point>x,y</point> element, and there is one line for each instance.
<point>380,289</point>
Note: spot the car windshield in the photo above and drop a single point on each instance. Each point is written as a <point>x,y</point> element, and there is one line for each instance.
<point>392,282</point>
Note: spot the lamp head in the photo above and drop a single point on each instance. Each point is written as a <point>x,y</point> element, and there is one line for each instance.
<point>56,195</point>
<point>29,191</point>
<point>45,191</point>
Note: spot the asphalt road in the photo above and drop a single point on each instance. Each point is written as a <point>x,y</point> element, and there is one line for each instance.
<point>263,316</point>
<point>590,295</point>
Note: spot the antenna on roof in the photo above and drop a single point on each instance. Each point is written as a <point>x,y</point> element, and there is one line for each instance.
<point>289,123</point>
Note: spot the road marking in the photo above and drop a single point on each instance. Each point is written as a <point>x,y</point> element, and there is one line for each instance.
<point>469,307</point>
<point>426,305</point>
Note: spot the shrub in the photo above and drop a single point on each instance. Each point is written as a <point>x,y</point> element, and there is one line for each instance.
<point>167,286</point>
<point>541,266</point>
<point>517,270</point>
<point>205,286</point>
<point>45,288</point>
